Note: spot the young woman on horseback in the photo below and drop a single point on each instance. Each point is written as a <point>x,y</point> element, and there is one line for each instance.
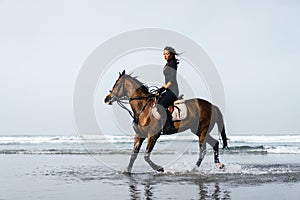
<point>202,117</point>
<point>169,91</point>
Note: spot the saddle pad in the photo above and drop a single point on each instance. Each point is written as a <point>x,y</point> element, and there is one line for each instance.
<point>180,112</point>
<point>155,113</point>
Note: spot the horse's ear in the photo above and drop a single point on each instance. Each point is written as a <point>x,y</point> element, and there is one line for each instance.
<point>121,74</point>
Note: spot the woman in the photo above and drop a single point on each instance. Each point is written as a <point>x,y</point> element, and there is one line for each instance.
<point>169,91</point>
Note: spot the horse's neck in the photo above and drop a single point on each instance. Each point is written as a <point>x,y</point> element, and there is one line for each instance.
<point>141,106</point>
<point>136,91</point>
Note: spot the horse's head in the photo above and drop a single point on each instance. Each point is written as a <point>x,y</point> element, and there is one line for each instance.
<point>117,91</point>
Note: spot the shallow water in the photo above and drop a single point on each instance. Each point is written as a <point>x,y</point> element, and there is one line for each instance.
<point>61,168</point>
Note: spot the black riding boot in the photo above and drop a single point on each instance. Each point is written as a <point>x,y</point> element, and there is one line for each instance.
<point>169,126</point>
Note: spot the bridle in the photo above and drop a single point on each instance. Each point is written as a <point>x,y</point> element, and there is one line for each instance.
<point>126,100</point>
<point>119,87</point>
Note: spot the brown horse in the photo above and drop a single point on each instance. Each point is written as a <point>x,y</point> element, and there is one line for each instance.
<point>202,116</point>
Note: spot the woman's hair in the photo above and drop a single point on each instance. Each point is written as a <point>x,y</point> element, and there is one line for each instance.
<point>173,53</point>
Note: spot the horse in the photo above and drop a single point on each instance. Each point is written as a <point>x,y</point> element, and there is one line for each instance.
<point>201,118</point>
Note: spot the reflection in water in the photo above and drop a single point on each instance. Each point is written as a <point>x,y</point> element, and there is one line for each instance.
<point>135,193</point>
<point>215,193</point>
<point>148,192</point>
<point>203,194</point>
<point>141,187</point>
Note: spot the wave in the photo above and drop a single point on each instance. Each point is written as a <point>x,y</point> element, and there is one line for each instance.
<point>17,140</point>
<point>102,144</point>
<point>265,139</point>
<point>79,150</point>
<point>283,150</point>
<point>129,139</point>
<point>263,149</point>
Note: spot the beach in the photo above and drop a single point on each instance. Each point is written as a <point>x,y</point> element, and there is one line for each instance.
<point>62,167</point>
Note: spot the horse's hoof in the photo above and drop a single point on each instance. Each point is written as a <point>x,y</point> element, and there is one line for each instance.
<point>195,169</point>
<point>199,161</point>
<point>161,169</point>
<point>126,172</point>
<point>220,165</point>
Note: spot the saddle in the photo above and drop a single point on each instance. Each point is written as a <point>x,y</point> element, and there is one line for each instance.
<point>178,110</point>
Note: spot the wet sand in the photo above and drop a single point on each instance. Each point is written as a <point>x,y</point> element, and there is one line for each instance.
<point>81,176</point>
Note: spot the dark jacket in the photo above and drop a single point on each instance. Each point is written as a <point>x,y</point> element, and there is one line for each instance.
<point>170,73</point>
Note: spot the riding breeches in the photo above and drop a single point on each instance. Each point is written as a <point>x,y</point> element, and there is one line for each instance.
<point>167,99</point>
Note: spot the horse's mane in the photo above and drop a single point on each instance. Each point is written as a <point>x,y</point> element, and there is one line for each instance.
<point>143,87</point>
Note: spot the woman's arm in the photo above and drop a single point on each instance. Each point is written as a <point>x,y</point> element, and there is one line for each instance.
<point>170,76</point>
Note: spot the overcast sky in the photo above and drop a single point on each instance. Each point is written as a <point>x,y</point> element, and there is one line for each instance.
<point>254,45</point>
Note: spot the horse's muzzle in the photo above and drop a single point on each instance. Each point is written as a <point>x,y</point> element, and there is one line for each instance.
<point>108,99</point>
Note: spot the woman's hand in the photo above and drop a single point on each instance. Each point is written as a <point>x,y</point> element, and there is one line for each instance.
<point>167,85</point>
<point>161,90</point>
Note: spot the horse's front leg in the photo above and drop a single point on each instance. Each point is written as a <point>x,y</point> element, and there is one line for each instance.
<point>138,141</point>
<point>151,142</point>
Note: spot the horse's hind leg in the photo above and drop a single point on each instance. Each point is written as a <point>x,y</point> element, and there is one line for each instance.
<point>202,147</point>
<point>138,141</point>
<point>215,144</point>
<point>151,142</point>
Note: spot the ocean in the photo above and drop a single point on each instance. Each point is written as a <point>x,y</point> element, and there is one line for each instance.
<point>91,167</point>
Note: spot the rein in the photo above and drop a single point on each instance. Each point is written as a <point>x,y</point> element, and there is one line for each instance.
<point>121,103</point>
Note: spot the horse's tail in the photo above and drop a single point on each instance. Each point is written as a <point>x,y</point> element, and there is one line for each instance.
<point>221,127</point>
